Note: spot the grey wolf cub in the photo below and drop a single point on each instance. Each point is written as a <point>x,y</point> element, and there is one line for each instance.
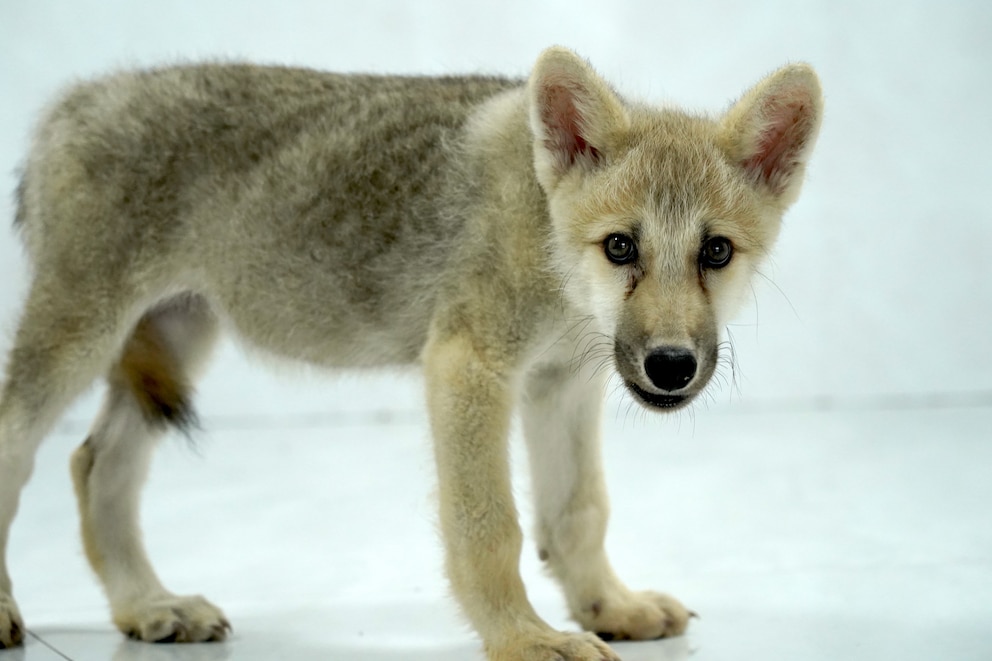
<point>492,230</point>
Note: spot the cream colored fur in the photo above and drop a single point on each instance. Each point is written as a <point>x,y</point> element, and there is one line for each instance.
<point>514,237</point>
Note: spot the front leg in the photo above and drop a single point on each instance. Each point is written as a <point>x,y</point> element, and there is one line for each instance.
<point>561,417</point>
<point>470,398</point>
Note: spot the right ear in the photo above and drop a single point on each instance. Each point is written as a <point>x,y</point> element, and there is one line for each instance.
<point>573,115</point>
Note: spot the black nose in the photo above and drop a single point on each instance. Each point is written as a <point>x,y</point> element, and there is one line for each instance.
<point>670,369</point>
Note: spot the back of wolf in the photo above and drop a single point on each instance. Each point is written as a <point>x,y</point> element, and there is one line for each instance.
<point>248,181</point>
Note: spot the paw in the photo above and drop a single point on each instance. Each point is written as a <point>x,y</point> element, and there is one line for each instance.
<point>553,646</point>
<point>11,624</point>
<point>172,619</point>
<point>634,616</point>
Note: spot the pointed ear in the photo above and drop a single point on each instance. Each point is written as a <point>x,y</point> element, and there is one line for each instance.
<point>771,131</point>
<point>574,115</point>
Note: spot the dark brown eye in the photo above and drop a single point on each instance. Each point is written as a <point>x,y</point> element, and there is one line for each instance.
<point>716,253</point>
<point>620,249</point>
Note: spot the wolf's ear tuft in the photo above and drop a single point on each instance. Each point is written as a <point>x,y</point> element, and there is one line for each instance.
<point>771,131</point>
<point>573,115</point>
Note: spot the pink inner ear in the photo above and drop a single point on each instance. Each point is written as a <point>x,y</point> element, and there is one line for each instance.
<point>564,126</point>
<point>780,143</point>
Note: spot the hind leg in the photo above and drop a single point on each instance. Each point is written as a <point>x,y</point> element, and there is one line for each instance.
<point>67,336</point>
<point>148,387</point>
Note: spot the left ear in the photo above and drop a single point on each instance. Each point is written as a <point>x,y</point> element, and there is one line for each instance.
<point>771,131</point>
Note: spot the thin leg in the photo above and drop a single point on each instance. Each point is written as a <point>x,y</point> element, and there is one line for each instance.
<point>561,418</point>
<point>148,384</point>
<point>470,402</point>
<point>59,349</point>
<point>19,441</point>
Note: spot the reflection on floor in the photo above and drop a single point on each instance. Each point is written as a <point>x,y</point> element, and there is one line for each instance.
<point>861,536</point>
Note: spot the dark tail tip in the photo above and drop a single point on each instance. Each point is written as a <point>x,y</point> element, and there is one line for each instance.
<point>150,371</point>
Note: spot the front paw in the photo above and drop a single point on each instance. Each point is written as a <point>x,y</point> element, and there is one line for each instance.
<point>552,646</point>
<point>634,616</point>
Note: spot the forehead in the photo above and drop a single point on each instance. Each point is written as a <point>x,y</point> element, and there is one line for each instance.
<point>672,182</point>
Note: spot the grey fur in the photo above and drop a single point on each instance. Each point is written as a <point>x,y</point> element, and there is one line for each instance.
<point>19,202</point>
<point>337,177</point>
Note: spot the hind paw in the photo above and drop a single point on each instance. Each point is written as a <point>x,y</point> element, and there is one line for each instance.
<point>172,619</point>
<point>11,624</point>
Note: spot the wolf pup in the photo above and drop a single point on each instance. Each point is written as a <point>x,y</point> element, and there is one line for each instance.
<point>513,237</point>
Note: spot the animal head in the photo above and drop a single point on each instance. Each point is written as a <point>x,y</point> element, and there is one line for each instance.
<point>660,217</point>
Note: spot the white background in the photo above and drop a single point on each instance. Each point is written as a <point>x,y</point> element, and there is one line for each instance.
<point>835,506</point>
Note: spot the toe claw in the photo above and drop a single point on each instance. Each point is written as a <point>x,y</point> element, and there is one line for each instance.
<point>218,632</point>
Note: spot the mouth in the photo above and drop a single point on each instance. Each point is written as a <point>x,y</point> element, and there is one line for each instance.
<point>667,402</point>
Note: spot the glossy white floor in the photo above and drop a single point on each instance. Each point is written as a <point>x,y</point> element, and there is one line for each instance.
<point>803,535</point>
